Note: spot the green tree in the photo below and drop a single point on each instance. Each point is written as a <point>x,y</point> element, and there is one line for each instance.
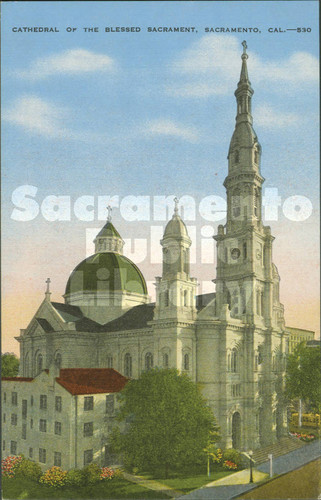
<point>9,365</point>
<point>303,377</point>
<point>168,422</point>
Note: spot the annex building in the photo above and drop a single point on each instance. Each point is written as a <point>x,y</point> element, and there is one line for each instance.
<point>232,342</point>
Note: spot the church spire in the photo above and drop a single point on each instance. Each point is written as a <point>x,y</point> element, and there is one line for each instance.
<point>244,92</point>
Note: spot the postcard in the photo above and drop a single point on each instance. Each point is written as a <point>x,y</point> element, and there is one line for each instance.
<point>160,174</point>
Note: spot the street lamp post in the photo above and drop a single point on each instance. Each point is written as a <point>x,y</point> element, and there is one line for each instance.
<point>251,466</point>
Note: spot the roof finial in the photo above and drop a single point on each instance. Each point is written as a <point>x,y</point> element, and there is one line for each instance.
<point>244,55</point>
<point>48,293</point>
<point>176,201</point>
<point>109,209</point>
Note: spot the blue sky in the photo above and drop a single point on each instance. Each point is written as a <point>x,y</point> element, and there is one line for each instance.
<point>150,113</point>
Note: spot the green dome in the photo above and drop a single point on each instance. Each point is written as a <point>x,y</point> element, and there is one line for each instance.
<point>108,230</point>
<point>106,272</point>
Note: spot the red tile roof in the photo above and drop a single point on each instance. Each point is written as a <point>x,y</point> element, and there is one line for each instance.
<point>91,380</point>
<point>18,379</point>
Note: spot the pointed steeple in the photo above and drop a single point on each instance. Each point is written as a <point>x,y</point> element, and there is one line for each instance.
<point>244,77</point>
<point>109,239</point>
<point>244,92</point>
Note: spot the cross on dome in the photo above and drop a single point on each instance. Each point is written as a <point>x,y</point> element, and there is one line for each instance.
<point>109,209</point>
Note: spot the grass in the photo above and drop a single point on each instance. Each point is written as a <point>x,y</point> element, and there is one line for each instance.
<point>188,480</point>
<point>20,489</point>
<point>297,484</point>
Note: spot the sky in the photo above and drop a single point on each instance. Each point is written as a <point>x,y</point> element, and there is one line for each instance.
<point>132,117</point>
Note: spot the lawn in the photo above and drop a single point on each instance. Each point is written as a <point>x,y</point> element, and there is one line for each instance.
<point>187,481</point>
<point>20,489</point>
<point>297,484</point>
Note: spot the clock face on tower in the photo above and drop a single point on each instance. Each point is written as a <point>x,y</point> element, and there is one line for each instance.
<point>235,253</point>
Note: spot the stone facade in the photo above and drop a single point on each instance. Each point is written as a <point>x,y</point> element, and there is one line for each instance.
<point>233,343</point>
<point>57,425</point>
<point>298,335</point>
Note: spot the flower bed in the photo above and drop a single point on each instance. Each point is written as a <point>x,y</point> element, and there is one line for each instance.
<point>55,477</point>
<point>303,437</point>
<point>9,465</point>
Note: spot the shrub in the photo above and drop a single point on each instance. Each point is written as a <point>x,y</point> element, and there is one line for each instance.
<point>135,470</point>
<point>232,455</point>
<point>217,456</point>
<point>75,477</point>
<point>229,465</point>
<point>91,474</point>
<point>10,464</point>
<point>55,477</point>
<point>29,469</point>
<point>106,473</point>
<point>118,473</point>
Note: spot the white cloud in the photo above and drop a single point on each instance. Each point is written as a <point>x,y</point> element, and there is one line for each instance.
<point>69,62</point>
<point>212,66</point>
<point>269,117</point>
<point>171,129</point>
<point>37,116</point>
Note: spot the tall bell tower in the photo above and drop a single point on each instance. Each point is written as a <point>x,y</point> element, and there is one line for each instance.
<point>248,282</point>
<point>244,246</point>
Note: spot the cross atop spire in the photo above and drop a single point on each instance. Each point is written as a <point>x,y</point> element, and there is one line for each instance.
<point>176,201</point>
<point>244,47</point>
<point>109,209</point>
<point>48,293</point>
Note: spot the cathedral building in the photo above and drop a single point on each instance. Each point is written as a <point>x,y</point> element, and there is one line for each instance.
<point>233,342</point>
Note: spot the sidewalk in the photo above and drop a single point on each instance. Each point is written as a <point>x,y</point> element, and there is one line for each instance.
<point>153,485</point>
<point>233,485</point>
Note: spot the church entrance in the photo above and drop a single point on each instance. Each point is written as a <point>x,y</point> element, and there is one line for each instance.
<point>236,430</point>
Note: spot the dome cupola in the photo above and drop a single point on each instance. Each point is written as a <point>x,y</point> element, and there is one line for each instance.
<point>109,239</point>
<point>107,283</point>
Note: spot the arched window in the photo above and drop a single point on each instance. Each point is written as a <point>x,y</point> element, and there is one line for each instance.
<point>260,356</point>
<point>234,360</point>
<point>39,363</point>
<point>185,297</point>
<point>26,366</point>
<point>244,250</point>
<point>236,203</point>
<point>258,302</point>
<point>256,203</point>
<point>262,303</point>
<point>236,156</point>
<point>166,298</point>
<point>109,361</point>
<point>58,360</point>
<point>243,301</point>
<point>273,363</point>
<point>128,365</point>
<point>149,361</point>
<point>186,362</point>
<point>228,298</point>
<point>228,362</point>
<point>165,360</point>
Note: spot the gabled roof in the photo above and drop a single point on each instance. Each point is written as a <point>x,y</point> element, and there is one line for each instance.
<point>137,317</point>
<point>203,300</point>
<point>79,381</point>
<point>67,312</point>
<point>45,325</point>
<point>18,379</point>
